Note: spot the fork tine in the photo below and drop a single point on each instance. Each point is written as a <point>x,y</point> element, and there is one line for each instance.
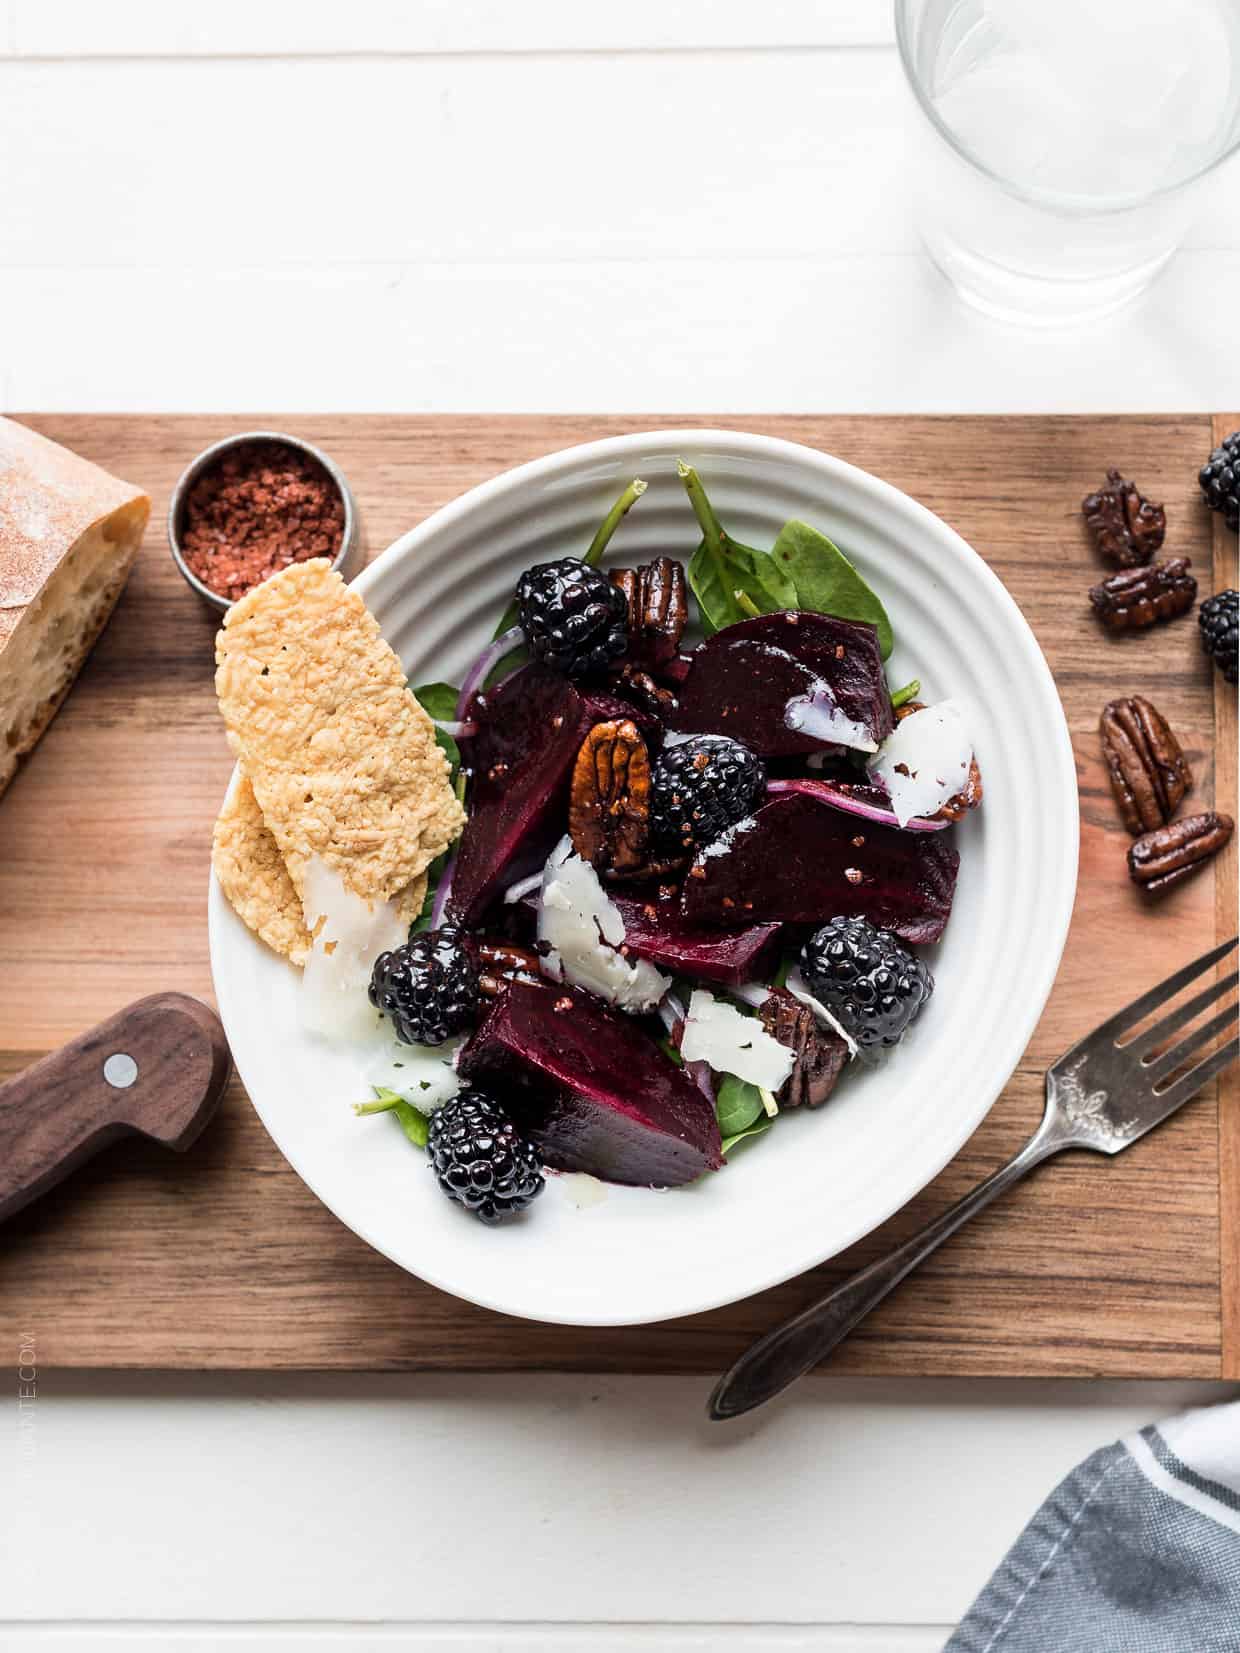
<point>1140,1008</point>
<point>1201,1075</point>
<point>1162,1031</point>
<point>1197,1040</point>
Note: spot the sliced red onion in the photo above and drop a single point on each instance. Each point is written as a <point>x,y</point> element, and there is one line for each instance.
<point>523,887</point>
<point>849,804</point>
<point>483,666</point>
<point>671,1014</point>
<point>699,1072</point>
<point>457,730</point>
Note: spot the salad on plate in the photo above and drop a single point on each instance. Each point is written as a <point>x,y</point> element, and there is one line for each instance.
<point>654,876</point>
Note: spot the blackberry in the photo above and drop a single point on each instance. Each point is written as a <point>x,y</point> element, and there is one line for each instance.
<point>574,619</point>
<point>702,786</point>
<point>1219,619</point>
<point>867,979</point>
<point>480,1160</point>
<point>1220,479</point>
<point>429,987</point>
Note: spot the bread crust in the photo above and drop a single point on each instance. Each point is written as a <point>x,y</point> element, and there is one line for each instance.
<point>50,498</point>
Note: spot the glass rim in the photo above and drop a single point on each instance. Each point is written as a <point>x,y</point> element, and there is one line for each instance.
<point>1038,198</point>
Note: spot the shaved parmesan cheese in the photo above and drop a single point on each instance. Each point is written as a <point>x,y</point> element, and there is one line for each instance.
<point>818,715</point>
<point>717,1033</point>
<point>349,934</point>
<point>797,987</point>
<point>925,760</point>
<point>581,927</point>
<point>424,1075</point>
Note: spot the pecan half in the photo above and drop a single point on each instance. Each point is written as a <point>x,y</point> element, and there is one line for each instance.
<point>970,794</point>
<point>609,805</point>
<point>658,602</point>
<point>500,963</point>
<point>821,1054</point>
<point>1149,773</point>
<point>1127,528</point>
<point>1140,597</point>
<point>640,687</point>
<point>1174,852</point>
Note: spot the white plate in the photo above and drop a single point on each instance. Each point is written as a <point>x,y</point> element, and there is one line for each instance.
<point>817,1182</point>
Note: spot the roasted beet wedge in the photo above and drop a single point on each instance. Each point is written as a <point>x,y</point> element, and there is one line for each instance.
<point>656,930</point>
<point>798,860</point>
<point>780,681</point>
<point>522,759</point>
<point>590,1090</point>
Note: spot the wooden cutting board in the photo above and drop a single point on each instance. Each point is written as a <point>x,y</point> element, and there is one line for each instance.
<point>223,1259</point>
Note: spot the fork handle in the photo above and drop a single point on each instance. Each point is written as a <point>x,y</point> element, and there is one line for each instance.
<point>777,1359</point>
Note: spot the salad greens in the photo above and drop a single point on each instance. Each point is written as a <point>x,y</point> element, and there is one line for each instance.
<point>910,691</point>
<point>803,569</point>
<point>438,700</point>
<point>827,582</point>
<point>738,1106</point>
<point>415,1125</point>
<point>756,1129</point>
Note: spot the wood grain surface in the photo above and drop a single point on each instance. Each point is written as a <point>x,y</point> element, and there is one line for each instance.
<point>223,1258</point>
<point>1227,755</point>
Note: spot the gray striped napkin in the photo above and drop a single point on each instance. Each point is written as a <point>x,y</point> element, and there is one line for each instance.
<point>1138,1551</point>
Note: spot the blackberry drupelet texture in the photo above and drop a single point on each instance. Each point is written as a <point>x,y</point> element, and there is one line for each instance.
<point>429,987</point>
<point>1220,479</point>
<point>480,1160</point>
<point>574,619</point>
<point>867,979</point>
<point>1220,631</point>
<point>702,786</point>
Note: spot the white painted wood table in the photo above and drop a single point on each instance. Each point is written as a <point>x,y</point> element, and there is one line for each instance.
<point>456,205</point>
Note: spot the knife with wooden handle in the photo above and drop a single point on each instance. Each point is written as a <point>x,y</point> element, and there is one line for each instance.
<point>156,1069</point>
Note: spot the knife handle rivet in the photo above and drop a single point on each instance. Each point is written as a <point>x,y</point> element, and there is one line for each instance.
<point>120,1070</point>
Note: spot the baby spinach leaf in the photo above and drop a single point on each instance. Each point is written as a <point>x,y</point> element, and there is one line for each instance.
<point>735,582</point>
<point>438,700</point>
<point>730,581</point>
<point>738,1105</point>
<point>433,874</point>
<point>415,1125</point>
<point>826,581</point>
<point>756,1129</point>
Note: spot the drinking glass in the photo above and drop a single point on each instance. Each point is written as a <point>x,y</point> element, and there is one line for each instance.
<point>1058,147</point>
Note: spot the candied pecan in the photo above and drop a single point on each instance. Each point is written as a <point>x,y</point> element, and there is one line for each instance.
<point>1127,528</point>
<point>820,1053</point>
<point>609,805</point>
<point>641,687</point>
<point>1140,597</point>
<point>1174,852</point>
<point>970,794</point>
<point>658,608</point>
<point>1149,773</point>
<point>502,962</point>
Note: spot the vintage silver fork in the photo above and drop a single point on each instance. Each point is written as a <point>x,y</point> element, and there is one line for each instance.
<point>1102,1095</point>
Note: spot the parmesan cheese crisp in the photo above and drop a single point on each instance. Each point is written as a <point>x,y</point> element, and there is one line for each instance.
<point>253,876</point>
<point>342,760</point>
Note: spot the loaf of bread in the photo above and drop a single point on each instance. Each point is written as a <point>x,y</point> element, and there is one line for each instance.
<point>69,533</point>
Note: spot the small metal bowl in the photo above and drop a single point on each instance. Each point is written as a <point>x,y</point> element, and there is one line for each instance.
<point>349,539</point>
